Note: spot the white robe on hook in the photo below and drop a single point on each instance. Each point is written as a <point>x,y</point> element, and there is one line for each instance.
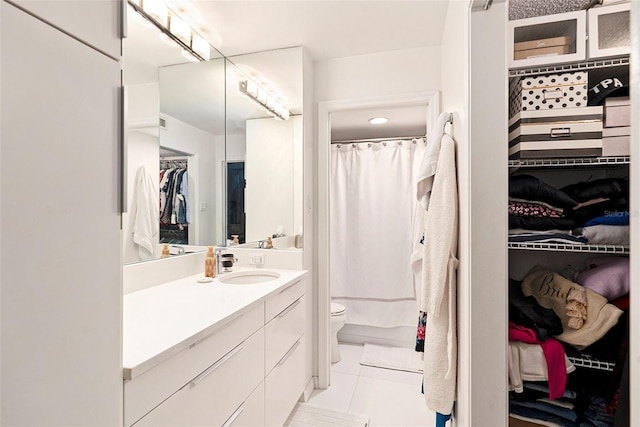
<point>439,283</point>
<point>146,223</point>
<point>424,185</point>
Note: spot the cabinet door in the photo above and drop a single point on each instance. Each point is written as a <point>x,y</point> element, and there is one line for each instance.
<point>95,22</point>
<point>284,385</point>
<point>61,252</point>
<point>610,30</point>
<point>211,398</point>
<point>283,331</point>
<point>251,412</point>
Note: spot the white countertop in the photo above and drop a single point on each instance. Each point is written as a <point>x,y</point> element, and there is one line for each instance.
<point>160,321</point>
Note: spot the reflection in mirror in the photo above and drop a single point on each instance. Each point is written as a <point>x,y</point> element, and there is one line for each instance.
<point>264,154</point>
<point>164,132</point>
<point>192,110</point>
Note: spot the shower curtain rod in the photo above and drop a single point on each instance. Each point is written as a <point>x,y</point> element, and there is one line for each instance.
<point>359,141</point>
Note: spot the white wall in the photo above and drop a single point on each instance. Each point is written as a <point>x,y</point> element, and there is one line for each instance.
<point>385,73</point>
<point>270,160</point>
<point>454,100</point>
<point>309,217</point>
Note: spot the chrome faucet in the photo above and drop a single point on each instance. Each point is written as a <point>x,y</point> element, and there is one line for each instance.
<point>217,252</point>
<point>224,260</point>
<point>180,249</point>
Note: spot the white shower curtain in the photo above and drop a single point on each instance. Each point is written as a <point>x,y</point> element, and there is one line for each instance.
<point>372,207</point>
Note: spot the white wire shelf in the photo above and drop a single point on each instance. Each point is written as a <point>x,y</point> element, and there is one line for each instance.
<point>591,363</point>
<point>570,161</point>
<point>560,247</point>
<point>570,67</point>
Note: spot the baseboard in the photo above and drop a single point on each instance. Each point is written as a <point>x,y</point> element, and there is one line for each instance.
<point>401,336</point>
<point>308,390</point>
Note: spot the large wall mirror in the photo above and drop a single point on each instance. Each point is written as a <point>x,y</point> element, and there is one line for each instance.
<point>264,147</point>
<point>203,153</point>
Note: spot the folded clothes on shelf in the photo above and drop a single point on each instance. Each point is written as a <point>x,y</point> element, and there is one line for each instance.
<point>551,290</point>
<point>604,234</point>
<point>610,277</point>
<point>560,238</point>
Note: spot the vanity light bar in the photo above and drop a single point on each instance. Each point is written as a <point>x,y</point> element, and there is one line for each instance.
<point>264,99</point>
<point>156,12</point>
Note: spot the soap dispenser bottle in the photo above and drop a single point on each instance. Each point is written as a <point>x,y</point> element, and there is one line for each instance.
<point>165,251</point>
<point>210,264</point>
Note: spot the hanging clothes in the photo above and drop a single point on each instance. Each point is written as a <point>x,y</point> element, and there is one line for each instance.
<point>424,183</point>
<point>174,197</point>
<point>146,225</point>
<point>439,265</point>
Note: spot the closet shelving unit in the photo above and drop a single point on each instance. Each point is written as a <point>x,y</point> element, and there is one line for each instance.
<point>525,252</point>
<point>558,247</point>
<point>570,162</point>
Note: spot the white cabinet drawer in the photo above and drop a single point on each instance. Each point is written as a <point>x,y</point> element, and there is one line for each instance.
<point>251,412</point>
<point>275,304</point>
<point>150,388</point>
<point>284,385</point>
<point>211,398</point>
<point>283,331</point>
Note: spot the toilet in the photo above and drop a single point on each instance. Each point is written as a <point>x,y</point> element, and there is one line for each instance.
<point>338,317</point>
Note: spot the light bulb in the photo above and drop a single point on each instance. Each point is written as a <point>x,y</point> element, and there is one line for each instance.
<point>262,96</point>
<point>252,88</point>
<point>157,10</point>
<point>180,29</point>
<point>201,47</point>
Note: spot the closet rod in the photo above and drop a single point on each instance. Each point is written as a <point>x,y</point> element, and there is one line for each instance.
<point>359,141</point>
<point>171,158</point>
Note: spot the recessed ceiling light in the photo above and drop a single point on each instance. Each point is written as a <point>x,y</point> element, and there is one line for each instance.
<point>378,120</point>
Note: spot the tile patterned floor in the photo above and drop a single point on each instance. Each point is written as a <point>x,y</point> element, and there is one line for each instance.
<point>388,397</point>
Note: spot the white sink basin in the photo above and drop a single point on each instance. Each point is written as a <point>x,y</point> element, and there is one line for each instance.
<point>248,277</point>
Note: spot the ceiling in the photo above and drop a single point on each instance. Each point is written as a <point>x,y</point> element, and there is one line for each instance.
<point>403,122</point>
<point>326,28</point>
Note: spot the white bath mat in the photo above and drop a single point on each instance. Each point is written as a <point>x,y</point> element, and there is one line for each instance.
<point>400,359</point>
<point>305,415</point>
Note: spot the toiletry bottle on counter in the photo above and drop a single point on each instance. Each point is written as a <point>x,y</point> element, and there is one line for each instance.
<point>165,251</point>
<point>210,264</point>
<point>269,243</point>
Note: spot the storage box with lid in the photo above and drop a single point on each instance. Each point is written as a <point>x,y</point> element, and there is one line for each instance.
<point>548,92</point>
<point>617,111</point>
<point>564,132</point>
<point>549,39</point>
<point>541,47</point>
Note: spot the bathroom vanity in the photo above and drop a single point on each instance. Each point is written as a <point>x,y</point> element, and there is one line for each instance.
<point>214,353</point>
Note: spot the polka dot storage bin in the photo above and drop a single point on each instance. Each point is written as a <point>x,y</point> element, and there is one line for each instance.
<point>546,92</point>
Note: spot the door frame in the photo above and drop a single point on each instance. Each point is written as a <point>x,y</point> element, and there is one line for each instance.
<point>432,101</point>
